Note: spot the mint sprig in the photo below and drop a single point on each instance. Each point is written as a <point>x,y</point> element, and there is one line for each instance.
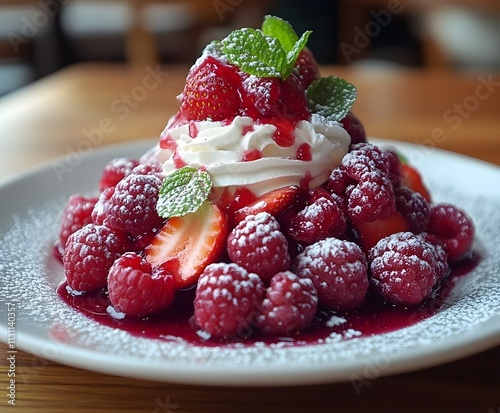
<point>258,54</point>
<point>331,97</point>
<point>183,191</point>
<point>280,29</point>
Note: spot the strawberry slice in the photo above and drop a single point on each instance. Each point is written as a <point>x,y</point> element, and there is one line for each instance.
<point>273,202</point>
<point>186,245</point>
<point>370,233</point>
<point>413,180</point>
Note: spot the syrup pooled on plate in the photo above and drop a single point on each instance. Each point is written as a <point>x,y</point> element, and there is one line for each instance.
<point>262,215</point>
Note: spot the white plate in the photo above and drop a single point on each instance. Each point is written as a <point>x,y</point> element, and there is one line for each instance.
<point>31,205</point>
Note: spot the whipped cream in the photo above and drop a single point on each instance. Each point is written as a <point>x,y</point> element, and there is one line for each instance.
<point>222,149</point>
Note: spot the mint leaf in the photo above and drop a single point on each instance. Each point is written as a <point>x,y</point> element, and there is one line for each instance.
<point>280,29</point>
<point>331,97</point>
<point>255,53</point>
<point>294,53</point>
<point>183,191</point>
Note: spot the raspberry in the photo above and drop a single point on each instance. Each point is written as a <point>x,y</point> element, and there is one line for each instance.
<point>354,128</point>
<point>372,199</point>
<point>89,254</point>
<point>259,246</point>
<point>338,270</point>
<point>338,181</point>
<point>318,220</point>
<point>76,214</point>
<point>405,268</point>
<point>99,212</point>
<point>307,67</point>
<point>148,169</point>
<point>132,207</point>
<point>226,300</point>
<point>136,289</point>
<point>414,208</point>
<point>368,157</point>
<point>453,228</point>
<point>115,171</point>
<point>290,304</point>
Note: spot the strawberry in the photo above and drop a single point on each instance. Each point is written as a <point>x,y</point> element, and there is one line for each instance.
<point>413,180</point>
<point>369,233</point>
<point>185,245</point>
<point>273,202</point>
<point>307,67</point>
<point>259,95</point>
<point>293,101</point>
<point>211,91</point>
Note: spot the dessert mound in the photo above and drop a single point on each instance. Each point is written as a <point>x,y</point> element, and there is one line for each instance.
<point>264,198</point>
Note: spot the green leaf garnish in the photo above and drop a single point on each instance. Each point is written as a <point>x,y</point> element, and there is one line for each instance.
<point>331,97</point>
<point>255,53</point>
<point>271,52</point>
<point>183,191</point>
<point>280,29</point>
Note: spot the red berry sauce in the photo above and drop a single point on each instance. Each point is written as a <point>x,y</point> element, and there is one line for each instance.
<point>373,317</point>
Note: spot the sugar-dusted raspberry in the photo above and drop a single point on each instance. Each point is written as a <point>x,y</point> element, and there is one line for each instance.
<point>115,171</point>
<point>76,214</point>
<point>366,157</point>
<point>404,268</point>
<point>338,181</point>
<point>454,229</point>
<point>136,289</point>
<point>290,304</point>
<point>338,270</point>
<point>354,128</point>
<point>259,246</point>
<point>320,219</point>
<point>414,208</point>
<point>226,301</point>
<point>148,169</point>
<point>372,198</point>
<point>132,207</point>
<point>99,212</point>
<point>89,254</point>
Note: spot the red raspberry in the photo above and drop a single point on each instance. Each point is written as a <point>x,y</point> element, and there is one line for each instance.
<point>453,228</point>
<point>318,220</point>
<point>290,304</point>
<point>90,253</point>
<point>148,169</point>
<point>259,96</point>
<point>338,270</point>
<point>414,208</point>
<point>338,181</point>
<point>226,301</point>
<point>372,198</point>
<point>307,67</point>
<point>76,214</point>
<point>115,171</point>
<point>136,289</point>
<point>404,268</point>
<point>99,212</point>
<point>211,91</point>
<point>259,246</point>
<point>132,207</point>
<point>366,157</point>
<point>354,128</point>
<point>293,101</point>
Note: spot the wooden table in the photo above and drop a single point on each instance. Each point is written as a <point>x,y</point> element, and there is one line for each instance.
<point>111,104</point>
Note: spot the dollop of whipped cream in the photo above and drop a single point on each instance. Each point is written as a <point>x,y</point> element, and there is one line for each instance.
<point>244,153</point>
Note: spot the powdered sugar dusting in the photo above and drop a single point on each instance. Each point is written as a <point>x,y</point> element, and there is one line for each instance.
<point>30,276</point>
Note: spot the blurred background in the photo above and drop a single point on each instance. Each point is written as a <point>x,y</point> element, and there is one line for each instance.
<point>38,37</point>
